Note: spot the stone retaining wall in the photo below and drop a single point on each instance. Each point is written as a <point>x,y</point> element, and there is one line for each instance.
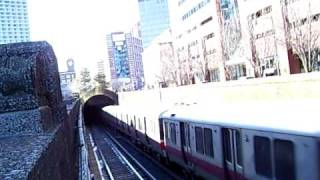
<point>36,131</point>
<point>59,159</point>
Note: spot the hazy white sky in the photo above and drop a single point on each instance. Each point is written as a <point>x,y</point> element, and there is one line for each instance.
<point>78,28</point>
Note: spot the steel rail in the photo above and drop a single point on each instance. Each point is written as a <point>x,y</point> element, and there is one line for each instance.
<point>131,157</point>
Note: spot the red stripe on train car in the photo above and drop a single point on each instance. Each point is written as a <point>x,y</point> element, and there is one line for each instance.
<point>204,165</point>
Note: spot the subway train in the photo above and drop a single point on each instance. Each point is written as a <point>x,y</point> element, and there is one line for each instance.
<point>266,140</point>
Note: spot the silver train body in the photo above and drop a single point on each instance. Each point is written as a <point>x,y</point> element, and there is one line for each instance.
<point>278,140</point>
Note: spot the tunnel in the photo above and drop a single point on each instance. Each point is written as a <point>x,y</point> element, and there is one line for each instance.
<point>92,108</point>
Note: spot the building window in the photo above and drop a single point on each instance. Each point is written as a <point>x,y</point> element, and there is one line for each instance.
<point>195,9</point>
<point>214,75</point>
<point>259,14</point>
<point>262,156</point>
<point>284,159</point>
<point>199,140</point>
<point>268,66</point>
<point>237,71</point>
<point>206,21</point>
<point>209,36</point>
<point>267,10</point>
<point>315,17</point>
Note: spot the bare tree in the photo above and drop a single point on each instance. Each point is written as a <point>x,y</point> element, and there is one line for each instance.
<point>303,36</point>
<point>190,65</point>
<point>204,63</point>
<point>230,38</point>
<point>263,47</point>
<point>185,66</point>
<point>85,79</point>
<point>169,69</point>
<point>100,79</point>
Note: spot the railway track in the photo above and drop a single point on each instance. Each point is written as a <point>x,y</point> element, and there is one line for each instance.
<point>117,163</point>
<point>136,151</point>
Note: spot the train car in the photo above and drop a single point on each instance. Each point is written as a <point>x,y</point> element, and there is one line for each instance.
<point>140,125</point>
<point>123,119</point>
<point>278,140</point>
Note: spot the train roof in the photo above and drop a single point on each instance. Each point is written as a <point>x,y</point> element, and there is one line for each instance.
<point>138,110</point>
<point>291,117</point>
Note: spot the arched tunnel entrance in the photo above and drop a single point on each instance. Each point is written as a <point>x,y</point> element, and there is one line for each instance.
<point>92,108</point>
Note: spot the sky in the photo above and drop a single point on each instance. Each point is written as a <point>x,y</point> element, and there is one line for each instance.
<point>77,28</point>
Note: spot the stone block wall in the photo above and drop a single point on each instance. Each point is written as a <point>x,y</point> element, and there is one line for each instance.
<point>58,161</point>
<point>36,132</point>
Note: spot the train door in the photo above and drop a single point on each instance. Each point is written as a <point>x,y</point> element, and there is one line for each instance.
<point>232,153</point>
<point>185,143</point>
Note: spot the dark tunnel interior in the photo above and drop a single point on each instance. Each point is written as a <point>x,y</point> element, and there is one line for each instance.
<point>92,108</point>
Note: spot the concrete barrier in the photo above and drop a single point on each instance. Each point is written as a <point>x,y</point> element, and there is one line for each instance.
<point>293,87</point>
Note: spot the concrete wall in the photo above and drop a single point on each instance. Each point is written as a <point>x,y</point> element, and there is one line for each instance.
<point>300,86</point>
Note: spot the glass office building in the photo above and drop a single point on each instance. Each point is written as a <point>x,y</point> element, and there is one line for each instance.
<point>154,17</point>
<point>14,23</point>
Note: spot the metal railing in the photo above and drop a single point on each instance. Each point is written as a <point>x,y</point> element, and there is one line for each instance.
<point>84,171</point>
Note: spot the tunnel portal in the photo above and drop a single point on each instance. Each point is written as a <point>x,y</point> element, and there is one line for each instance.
<point>92,108</point>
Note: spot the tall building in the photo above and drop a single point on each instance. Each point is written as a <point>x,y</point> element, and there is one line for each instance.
<point>14,24</point>
<point>197,40</point>
<point>154,17</point>
<point>158,61</point>
<point>220,40</point>
<point>101,67</point>
<point>125,56</point>
<point>68,82</point>
<point>262,34</point>
<point>68,76</point>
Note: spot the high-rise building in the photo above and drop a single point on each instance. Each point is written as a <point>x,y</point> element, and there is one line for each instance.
<point>158,61</point>
<point>68,82</point>
<point>125,56</point>
<point>68,76</point>
<point>196,39</point>
<point>238,39</point>
<point>154,18</point>
<point>101,67</point>
<point>14,24</point>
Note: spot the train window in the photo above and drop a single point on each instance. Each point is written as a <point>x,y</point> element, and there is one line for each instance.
<point>173,133</point>
<point>145,124</point>
<point>284,159</point>
<point>208,144</point>
<point>199,140</point>
<point>166,131</point>
<point>226,144</point>
<point>131,124</point>
<point>187,130</point>
<point>262,156</point>
<point>140,125</point>
<point>319,155</point>
<point>239,148</point>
